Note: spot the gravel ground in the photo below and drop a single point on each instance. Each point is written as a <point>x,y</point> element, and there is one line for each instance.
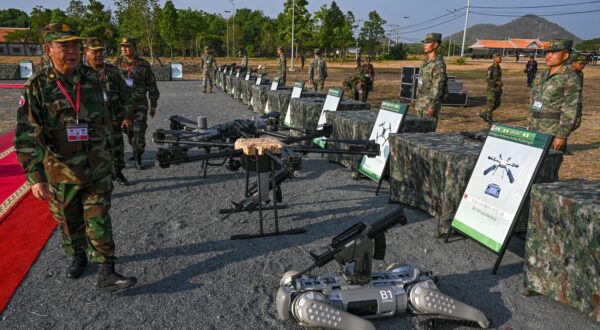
<point>169,234</point>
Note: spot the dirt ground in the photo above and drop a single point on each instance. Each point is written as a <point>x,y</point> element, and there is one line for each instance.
<point>584,163</point>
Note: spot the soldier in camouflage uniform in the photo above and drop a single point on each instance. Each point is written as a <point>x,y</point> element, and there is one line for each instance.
<point>368,72</point>
<point>281,66</point>
<point>139,77</point>
<point>317,72</point>
<point>117,99</point>
<point>63,140</point>
<point>244,56</point>
<point>432,79</point>
<point>209,63</point>
<point>555,96</point>
<point>578,63</point>
<point>494,88</point>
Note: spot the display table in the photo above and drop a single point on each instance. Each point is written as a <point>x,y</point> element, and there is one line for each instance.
<point>259,97</point>
<point>246,90</point>
<point>229,84</point>
<point>237,87</point>
<point>279,100</point>
<point>357,125</point>
<point>562,251</point>
<point>430,171</point>
<point>306,111</point>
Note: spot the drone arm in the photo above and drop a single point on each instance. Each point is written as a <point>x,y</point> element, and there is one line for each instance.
<point>491,168</point>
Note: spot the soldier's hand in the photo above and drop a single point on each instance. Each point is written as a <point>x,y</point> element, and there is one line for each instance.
<point>40,190</point>
<point>152,112</point>
<point>430,112</point>
<point>559,144</point>
<point>126,124</point>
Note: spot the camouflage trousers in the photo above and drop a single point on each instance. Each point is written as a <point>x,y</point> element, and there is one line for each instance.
<point>118,145</point>
<point>207,79</point>
<point>421,106</point>
<point>319,85</point>
<point>81,211</point>
<point>494,99</point>
<point>137,135</point>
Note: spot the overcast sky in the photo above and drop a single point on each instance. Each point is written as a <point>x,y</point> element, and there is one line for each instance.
<point>584,24</point>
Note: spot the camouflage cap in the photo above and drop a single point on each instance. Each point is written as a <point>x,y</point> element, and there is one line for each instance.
<point>579,58</point>
<point>430,37</point>
<point>559,44</point>
<point>93,44</point>
<point>317,51</point>
<point>496,55</point>
<point>128,41</point>
<point>59,32</point>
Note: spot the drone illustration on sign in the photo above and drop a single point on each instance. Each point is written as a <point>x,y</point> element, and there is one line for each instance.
<point>383,132</point>
<point>494,189</point>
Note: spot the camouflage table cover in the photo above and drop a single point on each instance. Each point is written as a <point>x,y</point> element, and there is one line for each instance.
<point>562,251</point>
<point>220,80</point>
<point>259,97</point>
<point>306,111</point>
<point>246,91</point>
<point>279,100</point>
<point>357,125</point>
<point>430,171</point>
<point>229,84</point>
<point>237,87</point>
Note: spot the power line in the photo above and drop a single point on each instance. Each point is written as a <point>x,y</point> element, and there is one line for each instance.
<point>433,19</point>
<point>432,26</point>
<point>540,15</point>
<point>529,7</point>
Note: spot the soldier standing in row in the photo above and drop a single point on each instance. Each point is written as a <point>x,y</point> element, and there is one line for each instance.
<point>555,96</point>
<point>494,88</point>
<point>317,73</point>
<point>531,70</point>
<point>208,65</point>
<point>63,140</point>
<point>578,63</point>
<point>140,79</point>
<point>244,56</point>
<point>281,66</point>
<point>117,99</point>
<point>432,79</point>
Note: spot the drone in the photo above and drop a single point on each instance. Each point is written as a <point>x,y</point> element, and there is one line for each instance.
<point>503,165</point>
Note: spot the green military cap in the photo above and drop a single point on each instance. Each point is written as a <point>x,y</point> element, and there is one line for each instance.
<point>128,41</point>
<point>559,44</point>
<point>578,57</point>
<point>496,55</point>
<point>317,51</point>
<point>430,37</point>
<point>59,32</point>
<point>93,44</point>
<point>206,48</point>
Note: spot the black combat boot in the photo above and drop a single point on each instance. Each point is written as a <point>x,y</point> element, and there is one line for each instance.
<point>120,178</point>
<point>77,266</point>
<point>138,160</point>
<point>109,280</point>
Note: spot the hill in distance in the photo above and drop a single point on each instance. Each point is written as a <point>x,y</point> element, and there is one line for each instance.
<point>525,27</point>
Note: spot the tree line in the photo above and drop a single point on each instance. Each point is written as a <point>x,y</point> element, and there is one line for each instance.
<point>171,31</point>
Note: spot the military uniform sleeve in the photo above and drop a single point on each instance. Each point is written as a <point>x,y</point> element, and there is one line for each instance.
<point>310,71</point>
<point>568,113</point>
<point>30,144</point>
<point>324,70</point>
<point>435,93</point>
<point>125,99</point>
<point>214,60</point>
<point>153,92</point>
<point>202,64</point>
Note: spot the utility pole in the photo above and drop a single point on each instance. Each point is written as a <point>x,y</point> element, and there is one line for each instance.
<point>293,25</point>
<point>233,26</point>
<point>462,49</point>
<point>227,12</point>
<point>358,21</point>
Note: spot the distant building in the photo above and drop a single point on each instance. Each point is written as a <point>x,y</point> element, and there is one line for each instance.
<point>17,48</point>
<point>508,47</point>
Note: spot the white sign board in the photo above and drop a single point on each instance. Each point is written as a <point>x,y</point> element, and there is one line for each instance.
<point>176,71</point>
<point>25,68</point>
<point>247,76</point>
<point>296,93</point>
<point>501,180</point>
<point>389,119</point>
<point>259,80</point>
<point>275,84</point>
<point>334,97</point>
<point>237,75</point>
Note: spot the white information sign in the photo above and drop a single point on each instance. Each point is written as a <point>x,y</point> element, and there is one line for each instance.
<point>25,68</point>
<point>296,94</point>
<point>275,84</point>
<point>505,169</point>
<point>176,71</point>
<point>247,76</point>
<point>389,119</point>
<point>259,80</point>
<point>334,97</point>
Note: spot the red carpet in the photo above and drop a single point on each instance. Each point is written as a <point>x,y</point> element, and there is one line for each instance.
<point>25,223</point>
<point>11,86</point>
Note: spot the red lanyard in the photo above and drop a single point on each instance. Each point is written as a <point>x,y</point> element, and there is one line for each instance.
<point>129,69</point>
<point>103,70</point>
<point>75,104</point>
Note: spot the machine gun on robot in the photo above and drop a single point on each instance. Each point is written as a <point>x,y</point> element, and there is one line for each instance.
<point>346,300</point>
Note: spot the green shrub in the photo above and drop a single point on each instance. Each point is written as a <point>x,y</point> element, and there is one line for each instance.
<point>460,61</point>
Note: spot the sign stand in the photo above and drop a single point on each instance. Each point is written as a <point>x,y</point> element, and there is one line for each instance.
<point>498,187</point>
<point>389,120</point>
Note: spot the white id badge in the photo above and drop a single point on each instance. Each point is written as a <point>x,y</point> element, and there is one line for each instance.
<point>420,82</point>
<point>129,82</point>
<point>104,96</point>
<point>537,106</point>
<point>77,132</point>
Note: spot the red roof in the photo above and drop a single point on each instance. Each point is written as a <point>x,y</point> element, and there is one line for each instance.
<point>509,44</point>
<point>4,31</point>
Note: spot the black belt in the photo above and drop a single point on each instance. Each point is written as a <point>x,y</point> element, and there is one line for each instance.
<point>546,115</point>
